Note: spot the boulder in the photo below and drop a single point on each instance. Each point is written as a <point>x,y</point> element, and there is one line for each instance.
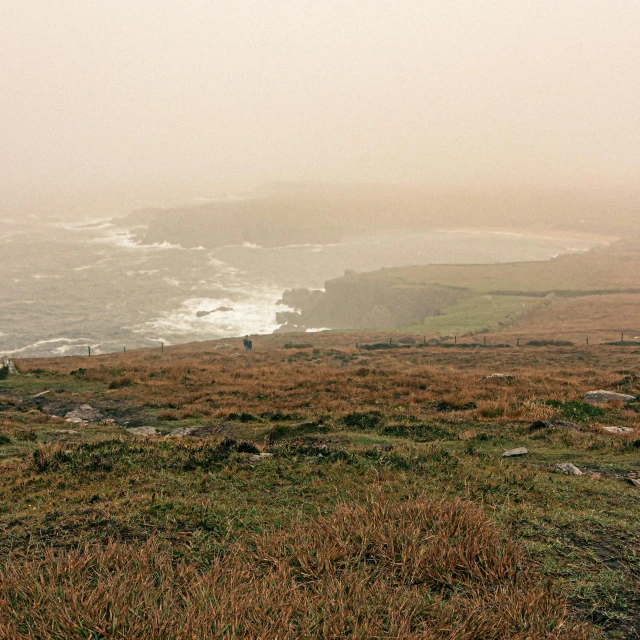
<point>520,451</point>
<point>618,429</point>
<point>634,481</point>
<point>549,424</point>
<point>66,432</point>
<point>143,431</point>
<point>499,376</point>
<point>568,469</point>
<point>83,413</point>
<point>602,396</point>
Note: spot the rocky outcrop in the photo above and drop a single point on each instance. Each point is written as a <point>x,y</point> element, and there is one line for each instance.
<point>143,431</point>
<point>618,429</point>
<point>85,413</point>
<point>601,396</point>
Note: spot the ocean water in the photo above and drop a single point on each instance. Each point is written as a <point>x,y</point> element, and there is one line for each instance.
<point>65,286</point>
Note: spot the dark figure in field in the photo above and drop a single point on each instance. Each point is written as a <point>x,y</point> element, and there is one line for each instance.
<point>248,343</point>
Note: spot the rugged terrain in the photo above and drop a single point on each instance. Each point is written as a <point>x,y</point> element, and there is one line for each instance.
<point>315,488</point>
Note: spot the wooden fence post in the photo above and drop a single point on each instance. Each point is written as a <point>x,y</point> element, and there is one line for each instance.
<point>162,347</point>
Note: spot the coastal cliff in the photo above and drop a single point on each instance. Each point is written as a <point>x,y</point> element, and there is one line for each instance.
<point>360,301</point>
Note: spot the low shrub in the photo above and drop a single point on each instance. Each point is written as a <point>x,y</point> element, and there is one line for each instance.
<point>366,421</point>
<point>121,382</point>
<point>575,410</point>
<point>243,417</point>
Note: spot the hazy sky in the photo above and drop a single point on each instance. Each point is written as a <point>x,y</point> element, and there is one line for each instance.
<point>175,99</point>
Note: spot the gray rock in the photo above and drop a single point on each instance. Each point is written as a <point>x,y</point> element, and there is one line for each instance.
<point>222,345</point>
<point>618,429</point>
<point>602,396</point>
<point>549,424</point>
<point>7,363</point>
<point>568,468</point>
<point>143,431</point>
<point>499,376</point>
<point>520,451</point>
<point>634,481</point>
<point>66,432</point>
<point>83,413</point>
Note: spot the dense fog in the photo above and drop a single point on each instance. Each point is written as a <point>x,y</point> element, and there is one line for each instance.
<point>110,106</point>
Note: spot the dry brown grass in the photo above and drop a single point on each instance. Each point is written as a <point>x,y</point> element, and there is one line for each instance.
<point>423,569</point>
<point>601,318</point>
<point>193,382</point>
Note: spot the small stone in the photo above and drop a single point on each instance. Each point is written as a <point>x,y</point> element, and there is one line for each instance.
<point>568,468</point>
<point>66,432</point>
<point>594,474</point>
<point>602,396</point>
<point>520,451</point>
<point>143,431</point>
<point>499,376</point>
<point>634,481</point>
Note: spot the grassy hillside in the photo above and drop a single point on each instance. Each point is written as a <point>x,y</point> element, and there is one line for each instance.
<point>385,508</point>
